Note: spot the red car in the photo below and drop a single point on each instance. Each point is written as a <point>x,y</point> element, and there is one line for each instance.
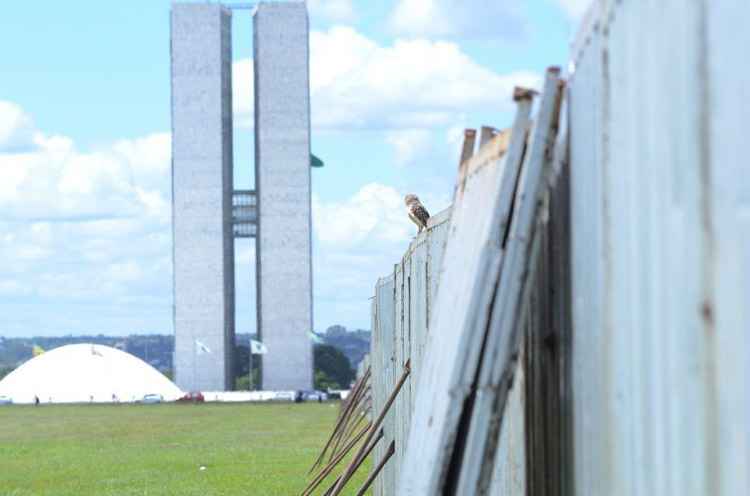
<point>194,396</point>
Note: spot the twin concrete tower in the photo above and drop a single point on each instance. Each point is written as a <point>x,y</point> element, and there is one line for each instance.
<point>208,213</point>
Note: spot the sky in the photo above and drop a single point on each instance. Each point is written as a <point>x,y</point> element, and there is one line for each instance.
<point>85,187</point>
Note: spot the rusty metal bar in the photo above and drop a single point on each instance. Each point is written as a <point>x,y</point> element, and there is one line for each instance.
<point>357,387</point>
<point>377,469</point>
<point>357,461</point>
<point>328,468</point>
<point>351,468</point>
<point>360,416</point>
<point>340,435</point>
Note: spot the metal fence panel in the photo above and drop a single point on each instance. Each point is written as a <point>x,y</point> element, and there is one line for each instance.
<point>456,333</point>
<point>656,109</point>
<point>509,473</point>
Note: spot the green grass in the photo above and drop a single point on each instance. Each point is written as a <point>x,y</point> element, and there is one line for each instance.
<point>247,449</point>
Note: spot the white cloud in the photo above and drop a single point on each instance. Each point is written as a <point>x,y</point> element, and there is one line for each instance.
<point>50,179</point>
<point>373,214</point>
<point>16,127</point>
<point>332,10</point>
<point>408,144</point>
<point>575,8</point>
<point>475,19</point>
<point>83,225</point>
<point>356,83</point>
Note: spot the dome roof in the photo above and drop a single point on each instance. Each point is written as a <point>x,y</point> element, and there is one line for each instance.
<point>83,373</point>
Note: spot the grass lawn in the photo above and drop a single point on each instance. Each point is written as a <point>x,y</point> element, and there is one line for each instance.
<point>247,449</point>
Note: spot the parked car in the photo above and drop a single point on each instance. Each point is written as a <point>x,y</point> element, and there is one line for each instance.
<point>314,396</point>
<point>150,399</point>
<point>6,400</point>
<point>194,396</point>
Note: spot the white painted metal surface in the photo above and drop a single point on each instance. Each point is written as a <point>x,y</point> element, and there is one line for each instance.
<point>660,278</point>
<point>658,112</point>
<point>399,331</point>
<point>504,329</point>
<point>456,333</point>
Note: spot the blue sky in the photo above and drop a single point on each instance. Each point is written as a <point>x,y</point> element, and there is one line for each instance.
<point>85,237</point>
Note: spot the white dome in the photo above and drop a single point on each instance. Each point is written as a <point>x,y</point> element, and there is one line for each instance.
<point>86,372</point>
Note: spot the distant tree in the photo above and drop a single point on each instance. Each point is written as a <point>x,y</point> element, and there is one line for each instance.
<point>242,368</point>
<point>5,371</point>
<point>242,383</point>
<point>241,360</point>
<point>336,330</point>
<point>323,382</point>
<point>333,365</point>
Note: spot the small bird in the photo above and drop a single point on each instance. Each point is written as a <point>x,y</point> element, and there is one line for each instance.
<point>417,213</point>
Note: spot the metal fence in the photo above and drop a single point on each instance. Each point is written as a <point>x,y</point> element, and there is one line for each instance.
<point>661,248</point>
<point>591,334</point>
<point>401,310</point>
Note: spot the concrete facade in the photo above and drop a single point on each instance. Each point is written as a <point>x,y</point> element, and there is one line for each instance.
<point>202,196</point>
<point>282,179</point>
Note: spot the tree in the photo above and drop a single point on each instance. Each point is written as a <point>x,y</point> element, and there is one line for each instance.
<point>323,382</point>
<point>242,368</point>
<point>332,367</point>
<point>5,371</point>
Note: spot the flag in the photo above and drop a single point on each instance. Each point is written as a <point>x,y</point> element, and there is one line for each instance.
<point>314,337</point>
<point>201,348</point>
<point>257,348</point>
<point>36,350</point>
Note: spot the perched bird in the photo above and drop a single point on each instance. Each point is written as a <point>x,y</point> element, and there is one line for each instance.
<point>417,213</point>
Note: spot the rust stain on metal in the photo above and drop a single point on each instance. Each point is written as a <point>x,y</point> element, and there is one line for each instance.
<point>486,134</point>
<point>520,93</point>
<point>467,150</point>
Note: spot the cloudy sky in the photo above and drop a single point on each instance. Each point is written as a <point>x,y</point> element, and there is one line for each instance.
<point>85,235</point>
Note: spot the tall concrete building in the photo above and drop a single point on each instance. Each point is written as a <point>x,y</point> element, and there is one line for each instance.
<point>282,179</point>
<point>208,213</point>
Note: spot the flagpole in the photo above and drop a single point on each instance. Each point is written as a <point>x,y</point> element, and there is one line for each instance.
<point>251,382</point>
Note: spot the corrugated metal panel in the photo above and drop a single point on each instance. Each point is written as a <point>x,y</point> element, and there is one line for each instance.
<point>509,473</point>
<point>504,328</point>
<point>456,326</point>
<point>727,38</point>
<point>653,374</point>
<point>656,112</point>
<point>400,314</point>
<point>383,373</point>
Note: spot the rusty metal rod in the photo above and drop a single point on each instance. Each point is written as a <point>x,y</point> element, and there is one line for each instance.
<point>340,419</point>
<point>377,469</point>
<point>339,435</point>
<point>357,461</point>
<point>356,391</point>
<point>376,425</point>
<point>355,397</point>
<point>352,391</point>
<point>328,468</point>
<point>361,415</point>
